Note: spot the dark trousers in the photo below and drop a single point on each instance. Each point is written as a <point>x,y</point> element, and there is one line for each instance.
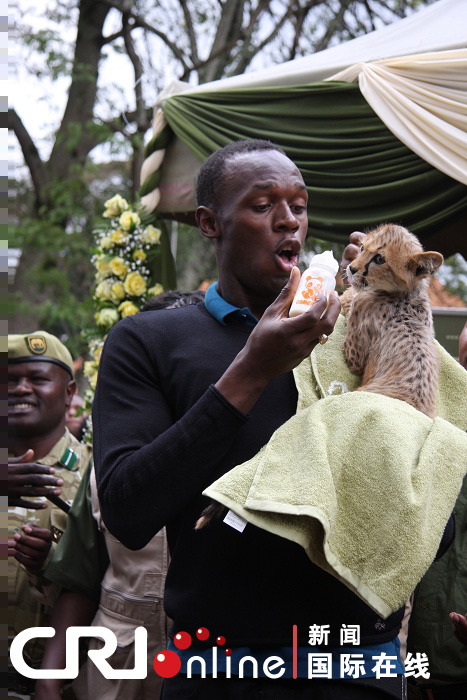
<point>182,688</point>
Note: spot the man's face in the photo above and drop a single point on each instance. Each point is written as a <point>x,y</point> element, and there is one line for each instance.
<point>38,396</point>
<point>262,214</point>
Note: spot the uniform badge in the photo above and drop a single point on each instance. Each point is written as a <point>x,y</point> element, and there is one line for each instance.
<point>37,344</point>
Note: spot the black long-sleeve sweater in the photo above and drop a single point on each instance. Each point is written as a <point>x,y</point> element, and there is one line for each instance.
<point>162,433</point>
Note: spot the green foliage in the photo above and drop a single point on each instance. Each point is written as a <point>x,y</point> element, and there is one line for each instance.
<point>195,258</point>
<point>453,275</point>
<point>54,281</point>
<point>48,44</point>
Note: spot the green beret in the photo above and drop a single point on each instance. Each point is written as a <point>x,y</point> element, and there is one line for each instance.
<point>40,346</point>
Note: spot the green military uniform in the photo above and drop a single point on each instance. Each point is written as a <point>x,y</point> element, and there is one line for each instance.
<point>26,604</point>
<point>129,587</point>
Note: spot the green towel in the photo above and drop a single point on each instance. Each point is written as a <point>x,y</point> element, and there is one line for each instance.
<point>363,482</point>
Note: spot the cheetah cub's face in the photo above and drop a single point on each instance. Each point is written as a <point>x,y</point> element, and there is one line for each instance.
<point>391,260</point>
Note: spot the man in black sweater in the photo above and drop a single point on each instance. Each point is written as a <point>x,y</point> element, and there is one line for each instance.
<point>188,394</point>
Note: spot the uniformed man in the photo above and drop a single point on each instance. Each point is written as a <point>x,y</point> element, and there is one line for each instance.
<point>438,622</point>
<point>45,462</point>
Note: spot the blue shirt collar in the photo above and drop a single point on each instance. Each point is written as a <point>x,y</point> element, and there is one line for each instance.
<point>223,311</point>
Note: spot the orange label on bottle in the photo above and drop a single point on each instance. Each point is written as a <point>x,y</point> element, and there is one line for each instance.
<point>313,286</point>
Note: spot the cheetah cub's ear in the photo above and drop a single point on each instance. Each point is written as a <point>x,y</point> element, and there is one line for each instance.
<point>424,264</point>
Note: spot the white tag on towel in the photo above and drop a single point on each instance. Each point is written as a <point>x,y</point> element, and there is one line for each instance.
<point>235,521</point>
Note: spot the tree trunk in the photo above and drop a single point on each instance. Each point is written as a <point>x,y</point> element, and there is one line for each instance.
<point>76,136</point>
<point>229,28</point>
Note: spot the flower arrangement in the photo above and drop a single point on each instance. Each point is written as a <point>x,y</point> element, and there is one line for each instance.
<point>125,247</point>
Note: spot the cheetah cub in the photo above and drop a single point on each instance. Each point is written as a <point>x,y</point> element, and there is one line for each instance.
<point>389,329</point>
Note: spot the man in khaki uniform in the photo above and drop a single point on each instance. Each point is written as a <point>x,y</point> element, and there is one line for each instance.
<point>105,584</point>
<point>44,460</point>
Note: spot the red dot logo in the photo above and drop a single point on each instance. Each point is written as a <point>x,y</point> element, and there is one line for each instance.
<point>220,640</point>
<point>182,640</point>
<point>167,664</point>
<point>202,633</point>
<point>228,652</point>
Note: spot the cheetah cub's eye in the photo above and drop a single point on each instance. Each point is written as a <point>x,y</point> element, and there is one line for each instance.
<point>361,249</point>
<point>378,259</point>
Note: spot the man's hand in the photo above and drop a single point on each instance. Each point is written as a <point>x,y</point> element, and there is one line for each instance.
<point>277,345</point>
<point>350,253</point>
<point>31,548</point>
<point>459,626</point>
<point>26,478</point>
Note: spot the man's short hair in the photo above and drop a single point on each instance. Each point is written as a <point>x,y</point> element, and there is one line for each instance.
<point>173,299</point>
<point>211,173</point>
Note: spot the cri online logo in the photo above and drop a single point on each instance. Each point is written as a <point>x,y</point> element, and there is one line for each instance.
<point>166,663</point>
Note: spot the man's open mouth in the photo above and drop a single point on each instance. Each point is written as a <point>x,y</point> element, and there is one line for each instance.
<point>287,253</point>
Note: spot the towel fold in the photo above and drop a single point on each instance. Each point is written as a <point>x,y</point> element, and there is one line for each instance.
<point>363,482</point>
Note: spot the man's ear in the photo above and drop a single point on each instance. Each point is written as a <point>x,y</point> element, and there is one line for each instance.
<point>207,221</point>
<point>424,264</point>
<point>70,392</point>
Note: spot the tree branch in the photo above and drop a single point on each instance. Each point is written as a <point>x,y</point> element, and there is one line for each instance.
<point>140,22</point>
<point>137,67</point>
<point>137,144</point>
<point>76,135</point>
<point>36,166</point>
<point>334,25</point>
<point>246,56</point>
<point>112,37</point>
<point>229,29</point>
<point>300,20</point>
<point>118,124</point>
<point>191,31</point>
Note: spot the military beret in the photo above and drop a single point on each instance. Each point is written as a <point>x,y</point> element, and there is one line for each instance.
<point>41,346</point>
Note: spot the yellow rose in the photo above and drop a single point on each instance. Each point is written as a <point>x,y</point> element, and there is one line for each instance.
<point>128,220</point>
<point>151,235</point>
<point>103,267</point>
<point>134,284</point>
<point>118,267</point>
<point>97,354</point>
<point>104,290</point>
<point>157,289</point>
<point>118,292</point>
<point>93,381</point>
<point>106,317</point>
<point>127,308</point>
<point>106,243</point>
<point>114,206</point>
<point>139,255</point>
<point>119,237</point>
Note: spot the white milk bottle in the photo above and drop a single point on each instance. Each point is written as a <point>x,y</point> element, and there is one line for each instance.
<point>319,278</point>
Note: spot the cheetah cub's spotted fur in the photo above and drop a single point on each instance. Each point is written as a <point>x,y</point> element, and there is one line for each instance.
<point>389,328</point>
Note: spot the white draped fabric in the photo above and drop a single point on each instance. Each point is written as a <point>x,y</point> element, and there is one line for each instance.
<point>423,101</point>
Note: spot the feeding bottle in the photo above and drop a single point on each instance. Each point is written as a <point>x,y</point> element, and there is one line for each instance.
<point>319,278</point>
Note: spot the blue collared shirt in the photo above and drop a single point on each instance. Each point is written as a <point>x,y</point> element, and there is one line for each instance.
<point>223,311</point>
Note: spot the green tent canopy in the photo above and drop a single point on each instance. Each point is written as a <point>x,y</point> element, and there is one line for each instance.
<point>376,140</point>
